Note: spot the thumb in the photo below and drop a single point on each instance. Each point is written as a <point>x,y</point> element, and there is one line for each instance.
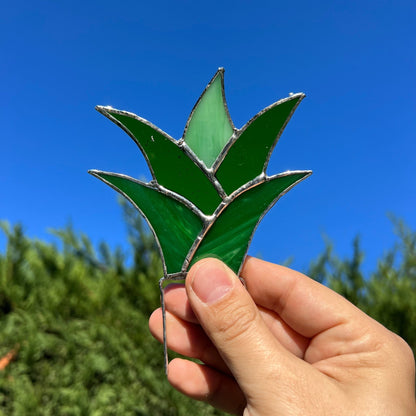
<point>232,321</point>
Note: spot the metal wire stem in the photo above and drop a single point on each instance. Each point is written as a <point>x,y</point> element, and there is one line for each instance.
<point>165,346</point>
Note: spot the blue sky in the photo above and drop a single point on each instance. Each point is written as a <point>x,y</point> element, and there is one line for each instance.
<point>355,60</point>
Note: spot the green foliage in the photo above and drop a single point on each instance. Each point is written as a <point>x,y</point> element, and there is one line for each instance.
<point>74,319</point>
<point>75,322</point>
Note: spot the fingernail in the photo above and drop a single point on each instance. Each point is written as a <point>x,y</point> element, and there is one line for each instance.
<point>211,281</point>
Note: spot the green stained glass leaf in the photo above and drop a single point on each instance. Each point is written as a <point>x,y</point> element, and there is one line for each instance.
<point>249,154</point>
<point>230,235</point>
<point>209,126</point>
<point>174,225</point>
<point>209,189</point>
<point>171,167</point>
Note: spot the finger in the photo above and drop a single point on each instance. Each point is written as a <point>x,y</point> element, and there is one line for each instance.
<point>205,384</point>
<point>186,339</point>
<point>233,322</point>
<point>288,338</point>
<point>305,305</point>
<point>176,302</point>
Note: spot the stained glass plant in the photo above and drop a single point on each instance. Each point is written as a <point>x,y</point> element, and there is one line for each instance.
<point>209,190</point>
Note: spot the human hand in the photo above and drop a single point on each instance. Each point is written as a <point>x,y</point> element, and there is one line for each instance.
<point>285,345</point>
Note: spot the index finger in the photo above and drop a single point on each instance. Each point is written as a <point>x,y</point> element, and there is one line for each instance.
<point>304,304</point>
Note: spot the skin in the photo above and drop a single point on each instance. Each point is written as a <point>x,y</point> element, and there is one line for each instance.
<point>284,345</point>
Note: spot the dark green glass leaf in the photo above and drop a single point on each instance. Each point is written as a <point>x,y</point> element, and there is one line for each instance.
<point>209,126</point>
<point>229,237</point>
<point>174,225</point>
<point>249,155</point>
<point>169,165</point>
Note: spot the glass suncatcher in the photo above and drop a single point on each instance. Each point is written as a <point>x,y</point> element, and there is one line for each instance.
<point>209,189</point>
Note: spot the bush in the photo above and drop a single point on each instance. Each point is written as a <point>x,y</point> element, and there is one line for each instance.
<point>74,338</point>
<point>74,333</point>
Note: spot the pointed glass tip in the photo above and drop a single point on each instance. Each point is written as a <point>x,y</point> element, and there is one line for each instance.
<point>209,126</point>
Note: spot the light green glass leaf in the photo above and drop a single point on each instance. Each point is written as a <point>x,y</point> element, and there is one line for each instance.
<point>170,166</point>
<point>230,235</point>
<point>209,126</point>
<point>249,155</point>
<point>174,225</point>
